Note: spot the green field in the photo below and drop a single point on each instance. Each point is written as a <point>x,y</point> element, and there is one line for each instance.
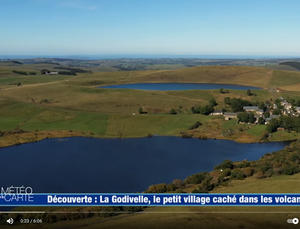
<point>31,117</point>
<point>51,103</point>
<point>276,184</point>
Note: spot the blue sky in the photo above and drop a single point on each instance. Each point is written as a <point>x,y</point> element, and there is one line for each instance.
<point>154,27</point>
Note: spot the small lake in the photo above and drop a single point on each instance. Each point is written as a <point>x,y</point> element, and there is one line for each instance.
<point>180,86</point>
<point>117,165</point>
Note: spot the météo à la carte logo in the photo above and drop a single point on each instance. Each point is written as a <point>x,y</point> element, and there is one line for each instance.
<point>16,194</point>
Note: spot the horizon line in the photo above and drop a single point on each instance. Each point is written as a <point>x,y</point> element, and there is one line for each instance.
<point>149,56</point>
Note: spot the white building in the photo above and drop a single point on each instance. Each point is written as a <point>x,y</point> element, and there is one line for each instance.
<point>271,117</point>
<point>52,73</point>
<point>250,108</point>
<point>216,113</point>
<point>253,109</point>
<point>229,116</point>
<point>286,105</point>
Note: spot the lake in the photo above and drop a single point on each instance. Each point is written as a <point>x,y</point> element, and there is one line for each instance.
<point>117,165</point>
<point>179,86</point>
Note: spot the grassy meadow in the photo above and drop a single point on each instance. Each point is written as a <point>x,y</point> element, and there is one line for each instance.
<point>74,103</point>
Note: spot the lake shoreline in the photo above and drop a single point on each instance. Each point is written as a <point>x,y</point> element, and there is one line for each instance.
<point>36,136</point>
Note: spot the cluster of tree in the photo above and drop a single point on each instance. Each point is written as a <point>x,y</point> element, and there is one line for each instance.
<point>249,92</point>
<point>261,120</point>
<point>142,111</point>
<point>11,132</point>
<point>294,102</point>
<point>23,72</point>
<point>277,111</point>
<point>46,71</point>
<point>16,62</point>
<point>202,180</point>
<point>173,111</point>
<point>292,64</point>
<point>278,104</point>
<point>263,106</point>
<point>206,109</point>
<point>246,117</point>
<point>68,73</point>
<point>195,125</point>
<point>222,91</point>
<point>236,104</point>
<point>160,188</point>
<point>286,122</point>
<point>45,101</point>
<point>11,62</point>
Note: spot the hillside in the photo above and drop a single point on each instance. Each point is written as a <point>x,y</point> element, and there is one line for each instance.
<point>242,75</point>
<point>295,65</point>
<point>74,103</point>
<point>254,76</point>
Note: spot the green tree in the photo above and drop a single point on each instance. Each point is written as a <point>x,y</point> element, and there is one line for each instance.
<point>196,178</point>
<point>206,110</point>
<point>213,102</point>
<point>227,164</point>
<point>205,186</point>
<point>249,93</point>
<point>227,100</point>
<point>273,125</point>
<point>195,125</point>
<point>261,121</point>
<point>237,174</point>
<point>195,110</point>
<point>238,104</point>
<point>262,106</point>
<point>267,114</point>
<point>251,118</point>
<point>173,111</point>
<point>141,111</point>
<point>157,188</point>
<point>277,111</point>
<point>243,117</point>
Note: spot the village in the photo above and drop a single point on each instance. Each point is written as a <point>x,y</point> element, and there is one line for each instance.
<point>256,115</point>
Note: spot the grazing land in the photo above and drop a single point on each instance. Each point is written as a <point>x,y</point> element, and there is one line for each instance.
<point>38,103</point>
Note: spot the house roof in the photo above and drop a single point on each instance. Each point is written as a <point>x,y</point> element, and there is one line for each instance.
<point>230,114</point>
<point>272,117</point>
<point>250,108</point>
